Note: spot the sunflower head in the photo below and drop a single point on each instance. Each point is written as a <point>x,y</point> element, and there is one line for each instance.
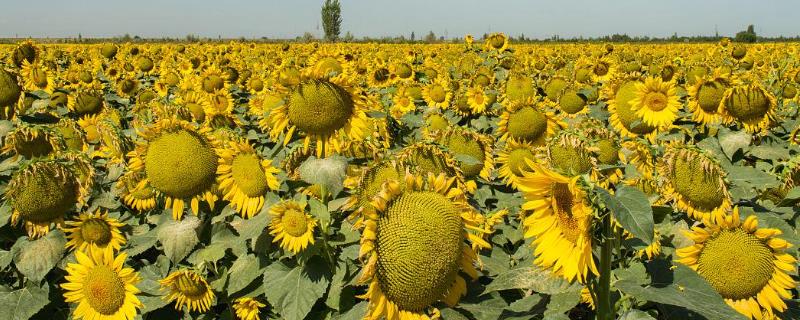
<point>624,115</point>
<point>26,51</point>
<point>572,102</point>
<point>568,153</point>
<point>102,287</point>
<point>419,247</point>
<point>95,234</point>
<point>244,177</point>
<point>42,193</point>
<point>747,265</point>
<point>429,158</point>
<point>749,104</point>
<point>526,124</point>
<point>696,182</point>
<point>33,141</point>
<point>473,148</point>
<point>179,161</point>
<point>188,289</point>
<point>292,226</point>
<point>9,89</point>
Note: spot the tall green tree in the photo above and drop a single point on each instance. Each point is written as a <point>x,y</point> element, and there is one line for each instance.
<point>747,36</point>
<point>332,19</point>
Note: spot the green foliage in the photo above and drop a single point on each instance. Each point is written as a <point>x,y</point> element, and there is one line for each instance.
<point>332,19</point>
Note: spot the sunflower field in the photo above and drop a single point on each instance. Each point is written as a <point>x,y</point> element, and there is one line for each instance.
<point>479,180</point>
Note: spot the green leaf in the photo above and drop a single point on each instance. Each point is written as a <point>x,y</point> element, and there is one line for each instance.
<point>337,284</point>
<point>750,177</point>
<point>329,172</point>
<point>293,291</point>
<point>178,238</point>
<point>243,271</point>
<point>770,152</point>
<point>632,210</point>
<point>143,238</point>
<point>319,211</point>
<point>36,257</point>
<point>732,141</point>
<point>562,302</point>
<point>357,312</point>
<point>22,304</point>
<point>529,277</point>
<point>5,214</point>
<point>466,159</point>
<point>634,314</point>
<point>687,290</point>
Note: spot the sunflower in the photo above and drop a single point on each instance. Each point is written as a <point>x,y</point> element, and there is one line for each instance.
<point>95,234</point>
<point>415,243</point>
<point>326,62</point>
<point>402,72</point>
<point>292,226</point>
<point>437,94</point>
<point>603,69</point>
<point>244,177</point>
<point>568,153</point>
<point>527,124</point>
<point>369,182</point>
<point>247,308</point>
<point>705,97</point>
<point>85,102</point>
<point>103,287</point>
<point>572,103</point>
<point>402,103</point>
<point>656,102</point>
<point>519,88</point>
<point>749,104</point>
<point>179,160</point>
<point>36,76</point>
<point>43,192</point>
<point>25,51</point>
<point>137,195</point>
<point>474,148</point>
<point>32,141</point>
<point>477,99</point>
<point>749,266</point>
<point>10,93</point>
<point>695,181</point>
<point>326,111</point>
<point>213,79</point>
<point>496,42</point>
<point>624,118</point>
<point>188,289</point>
<point>379,76</point>
<point>561,222</point>
<point>430,157</point>
<point>512,161</point>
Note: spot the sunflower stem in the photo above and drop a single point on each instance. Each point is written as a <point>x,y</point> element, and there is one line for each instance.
<point>604,308</point>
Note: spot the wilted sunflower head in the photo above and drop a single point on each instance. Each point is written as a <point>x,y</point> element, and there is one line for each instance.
<point>749,104</point>
<point>42,193</point>
<point>568,153</point>
<point>25,52</point>
<point>33,141</point>
<point>9,89</point>
<point>188,289</point>
<point>470,149</point>
<point>695,181</point>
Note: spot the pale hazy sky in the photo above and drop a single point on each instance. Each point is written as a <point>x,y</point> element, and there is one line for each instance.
<point>290,18</point>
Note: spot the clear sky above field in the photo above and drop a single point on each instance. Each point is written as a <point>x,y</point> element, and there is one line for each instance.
<point>375,18</point>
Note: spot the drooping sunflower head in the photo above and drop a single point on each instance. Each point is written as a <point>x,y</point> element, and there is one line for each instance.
<point>85,102</point>
<point>43,193</point>
<point>33,141</point>
<point>572,102</point>
<point>370,183</point>
<point>527,123</point>
<point>244,177</point>
<point>705,97</point>
<point>747,265</point>
<point>472,150</point>
<point>136,193</point>
<point>428,157</point>
<point>247,308</point>
<point>561,222</point>
<point>420,243</point>
<point>179,160</point>
<point>513,161</point>
<point>292,225</point>
<point>695,181</point>
<point>188,289</point>
<point>750,105</point>
<point>102,287</point>
<point>94,234</point>
<point>568,153</point>
<point>26,51</point>
<point>496,41</point>
<point>555,87</point>
<point>10,90</point>
<point>519,87</point>
<point>624,116</point>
